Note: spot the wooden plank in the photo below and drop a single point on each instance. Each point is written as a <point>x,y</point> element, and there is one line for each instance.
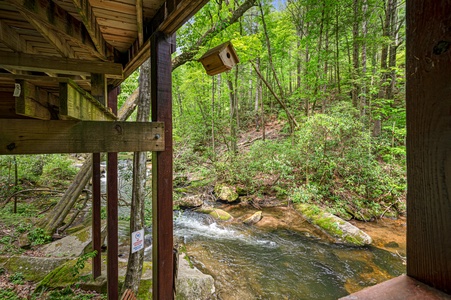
<point>7,105</point>
<point>22,61</point>
<point>52,37</point>
<point>89,20</point>
<point>60,20</point>
<point>35,102</point>
<point>11,38</point>
<point>162,169</point>
<point>56,136</point>
<point>399,288</point>
<point>77,104</point>
<point>139,21</point>
<point>96,216</point>
<point>428,101</point>
<point>112,229</point>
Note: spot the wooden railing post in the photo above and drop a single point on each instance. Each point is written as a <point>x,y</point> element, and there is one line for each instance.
<point>161,93</point>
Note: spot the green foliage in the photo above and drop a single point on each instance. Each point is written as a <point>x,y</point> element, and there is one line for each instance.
<point>38,236</point>
<point>17,278</point>
<point>81,261</point>
<point>9,294</point>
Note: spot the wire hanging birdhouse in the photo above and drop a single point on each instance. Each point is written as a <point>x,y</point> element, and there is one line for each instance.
<point>219,59</point>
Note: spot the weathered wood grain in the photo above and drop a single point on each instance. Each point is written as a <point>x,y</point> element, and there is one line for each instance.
<point>40,137</point>
<point>428,101</point>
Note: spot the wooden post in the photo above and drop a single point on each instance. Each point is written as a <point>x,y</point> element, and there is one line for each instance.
<point>99,88</point>
<point>96,217</point>
<point>112,214</point>
<point>429,142</point>
<point>161,93</point>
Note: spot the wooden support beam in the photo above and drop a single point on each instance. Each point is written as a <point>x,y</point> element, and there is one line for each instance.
<point>92,26</point>
<point>112,229</point>
<point>35,102</point>
<point>428,100</point>
<point>99,88</point>
<point>40,137</point>
<point>11,38</point>
<point>171,15</point>
<point>56,40</point>
<point>139,21</point>
<point>60,20</point>
<point>161,93</point>
<point>42,63</point>
<point>76,103</point>
<point>96,216</point>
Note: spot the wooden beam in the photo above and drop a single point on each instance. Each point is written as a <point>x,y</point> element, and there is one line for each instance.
<point>56,136</point>
<point>112,228</point>
<point>174,13</point>
<point>77,104</point>
<point>171,16</point>
<point>99,88</point>
<point>11,38</point>
<point>428,100</point>
<point>35,102</point>
<point>161,93</point>
<point>96,216</point>
<point>92,26</point>
<point>42,63</point>
<point>60,20</point>
<point>56,40</point>
<point>139,21</point>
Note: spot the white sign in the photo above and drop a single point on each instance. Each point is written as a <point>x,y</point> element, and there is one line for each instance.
<point>17,90</point>
<point>137,240</point>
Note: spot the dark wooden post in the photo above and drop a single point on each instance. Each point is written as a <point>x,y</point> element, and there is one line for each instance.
<point>429,142</point>
<point>96,217</point>
<point>161,92</point>
<point>112,214</point>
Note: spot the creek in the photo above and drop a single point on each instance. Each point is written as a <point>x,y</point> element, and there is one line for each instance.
<point>268,261</point>
<point>249,262</point>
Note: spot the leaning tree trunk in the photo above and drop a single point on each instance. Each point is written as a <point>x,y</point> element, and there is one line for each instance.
<point>135,261</point>
<point>57,215</point>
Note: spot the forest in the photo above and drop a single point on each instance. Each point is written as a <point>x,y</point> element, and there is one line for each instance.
<point>314,113</point>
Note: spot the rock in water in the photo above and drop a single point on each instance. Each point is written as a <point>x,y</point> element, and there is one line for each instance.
<point>334,226</point>
<point>254,218</point>
<point>216,213</point>
<point>191,283</point>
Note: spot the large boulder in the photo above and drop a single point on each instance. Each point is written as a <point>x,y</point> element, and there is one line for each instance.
<point>73,245</point>
<point>191,283</point>
<point>255,218</point>
<point>32,268</point>
<point>336,227</point>
<point>226,193</point>
<point>189,201</point>
<point>216,213</point>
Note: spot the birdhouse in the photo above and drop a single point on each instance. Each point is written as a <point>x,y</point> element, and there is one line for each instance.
<point>219,59</point>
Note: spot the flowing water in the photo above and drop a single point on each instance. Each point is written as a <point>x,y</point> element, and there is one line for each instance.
<point>252,263</point>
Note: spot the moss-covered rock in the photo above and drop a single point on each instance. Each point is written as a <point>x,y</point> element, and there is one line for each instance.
<point>32,268</point>
<point>341,230</point>
<point>191,283</point>
<point>226,193</point>
<point>255,218</point>
<point>216,213</point>
<point>72,245</point>
<point>189,201</point>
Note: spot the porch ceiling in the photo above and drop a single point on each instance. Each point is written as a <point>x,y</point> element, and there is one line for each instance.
<point>44,40</point>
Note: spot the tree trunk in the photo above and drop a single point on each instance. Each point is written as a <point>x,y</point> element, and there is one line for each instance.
<point>355,55</point>
<point>135,260</point>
